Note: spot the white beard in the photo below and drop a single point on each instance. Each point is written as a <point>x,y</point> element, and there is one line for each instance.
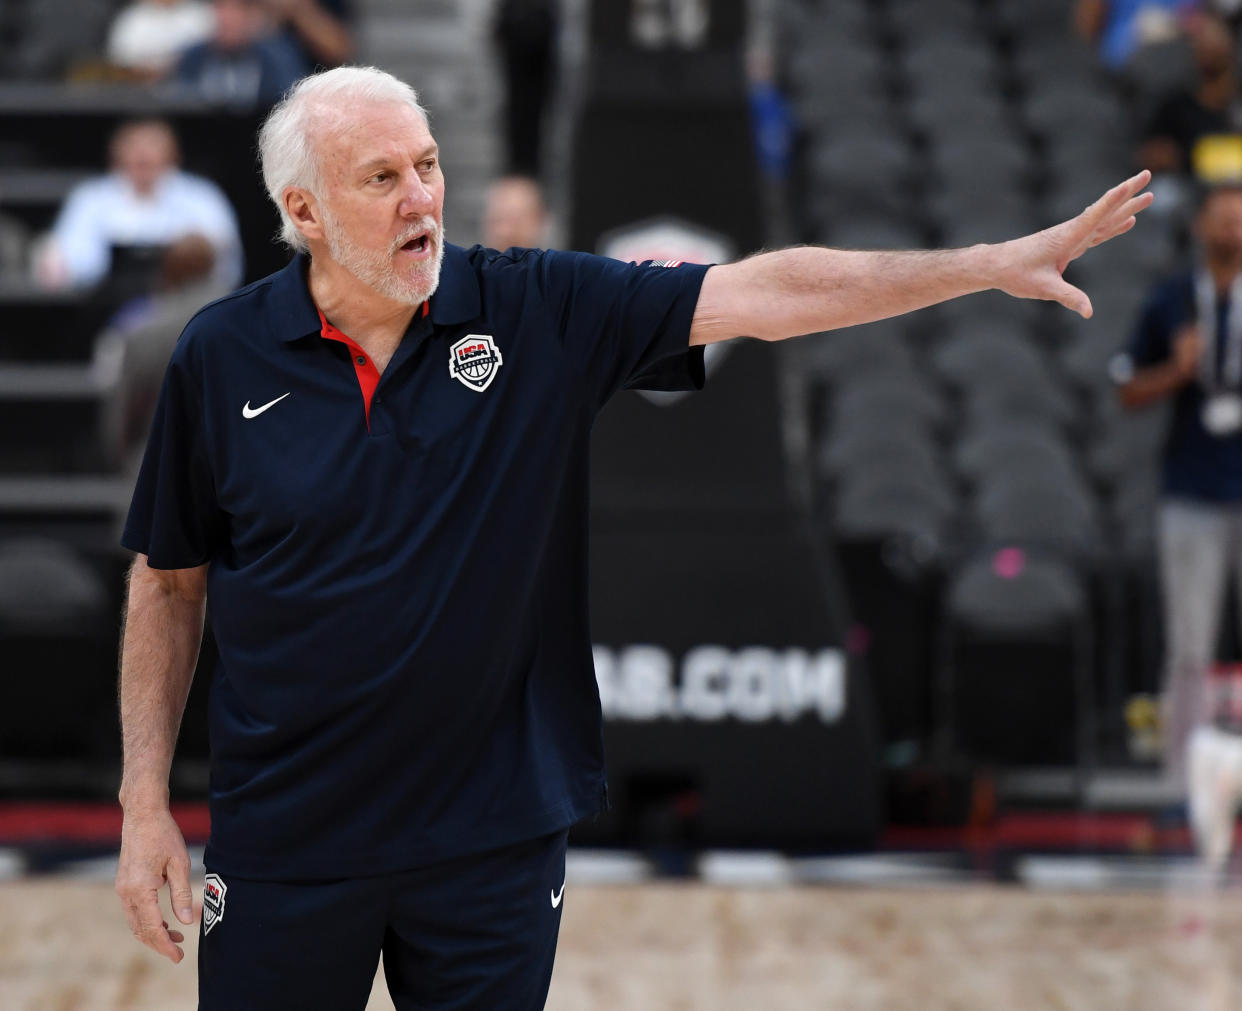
<point>375,269</point>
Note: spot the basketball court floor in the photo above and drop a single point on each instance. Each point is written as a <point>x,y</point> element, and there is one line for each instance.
<point>749,932</point>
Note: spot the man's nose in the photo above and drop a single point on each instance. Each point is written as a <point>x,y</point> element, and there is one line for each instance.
<point>417,198</point>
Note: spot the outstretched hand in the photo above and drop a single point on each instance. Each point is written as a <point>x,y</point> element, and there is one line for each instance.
<point>1032,266</point>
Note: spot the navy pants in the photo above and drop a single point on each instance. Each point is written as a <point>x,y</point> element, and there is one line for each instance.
<point>476,933</point>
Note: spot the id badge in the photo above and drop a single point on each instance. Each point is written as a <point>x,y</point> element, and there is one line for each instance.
<point>1222,414</point>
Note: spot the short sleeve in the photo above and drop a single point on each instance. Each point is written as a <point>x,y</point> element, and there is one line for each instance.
<point>174,518</point>
<point>625,325</point>
<point>1149,343</point>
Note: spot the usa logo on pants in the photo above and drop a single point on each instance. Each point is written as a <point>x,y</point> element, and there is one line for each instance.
<point>474,360</point>
<point>213,901</point>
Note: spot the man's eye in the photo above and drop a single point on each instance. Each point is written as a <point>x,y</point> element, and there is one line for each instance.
<point>429,164</point>
<point>379,177</point>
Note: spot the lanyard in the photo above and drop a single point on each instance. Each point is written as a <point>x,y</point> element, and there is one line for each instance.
<point>1217,375</point>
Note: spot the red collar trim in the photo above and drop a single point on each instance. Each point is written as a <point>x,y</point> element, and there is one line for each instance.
<point>368,375</point>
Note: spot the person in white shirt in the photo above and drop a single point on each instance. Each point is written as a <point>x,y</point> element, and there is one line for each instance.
<point>146,200</point>
<point>147,36</point>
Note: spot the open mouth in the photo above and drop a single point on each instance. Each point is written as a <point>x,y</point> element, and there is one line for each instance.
<point>416,245</point>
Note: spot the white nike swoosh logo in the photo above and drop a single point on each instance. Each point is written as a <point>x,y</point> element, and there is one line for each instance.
<point>556,896</point>
<point>254,412</point>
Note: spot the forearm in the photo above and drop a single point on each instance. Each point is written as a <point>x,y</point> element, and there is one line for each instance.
<point>163,630</point>
<point>323,34</point>
<point>1151,384</point>
<point>805,290</point>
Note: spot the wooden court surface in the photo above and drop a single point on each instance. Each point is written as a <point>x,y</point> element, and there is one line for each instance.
<point>64,946</point>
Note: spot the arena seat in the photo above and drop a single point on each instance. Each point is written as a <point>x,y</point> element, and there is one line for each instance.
<point>59,412</point>
<point>37,325</point>
<point>973,360</point>
<point>889,525</point>
<point>1016,659</point>
<point>1012,445</point>
<point>58,628</point>
<point>873,400</point>
<point>983,114</point>
<point>1028,399</point>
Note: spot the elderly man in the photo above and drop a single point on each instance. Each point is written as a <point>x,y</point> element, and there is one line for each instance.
<point>374,465</point>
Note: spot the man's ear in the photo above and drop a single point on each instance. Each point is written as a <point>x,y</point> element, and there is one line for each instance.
<point>303,211</point>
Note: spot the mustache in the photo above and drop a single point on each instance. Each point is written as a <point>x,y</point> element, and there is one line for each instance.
<point>424,226</point>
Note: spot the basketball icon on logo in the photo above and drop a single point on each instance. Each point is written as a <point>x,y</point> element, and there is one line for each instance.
<point>475,360</point>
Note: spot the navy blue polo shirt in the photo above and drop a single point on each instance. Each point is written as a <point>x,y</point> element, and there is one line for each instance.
<point>398,588</point>
<point>1197,464</point>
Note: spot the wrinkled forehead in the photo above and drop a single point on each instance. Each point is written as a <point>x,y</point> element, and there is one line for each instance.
<point>368,132</point>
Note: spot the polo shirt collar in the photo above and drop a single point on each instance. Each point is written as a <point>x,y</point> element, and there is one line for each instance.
<point>293,313</point>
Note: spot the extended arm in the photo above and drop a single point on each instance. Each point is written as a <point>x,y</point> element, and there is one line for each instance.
<point>799,291</point>
<point>163,629</point>
<point>323,34</point>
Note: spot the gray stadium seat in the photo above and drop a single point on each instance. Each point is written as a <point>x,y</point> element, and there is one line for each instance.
<point>902,441</point>
<point>1033,509</point>
<point>843,355</point>
<point>1025,20</point>
<point>1005,155</point>
<point>1011,448</point>
<point>58,641</point>
<point>1033,399</point>
<point>974,361</point>
<point>984,114</point>
<point>967,198</point>
<point>1069,109</point>
<point>889,395</point>
<point>1017,659</point>
<point>931,63</point>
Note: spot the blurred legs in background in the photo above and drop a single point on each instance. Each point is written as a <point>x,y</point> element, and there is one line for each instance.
<point>1197,542</point>
<point>1214,768</point>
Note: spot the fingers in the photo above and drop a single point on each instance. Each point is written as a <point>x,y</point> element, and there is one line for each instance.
<point>1123,219</point>
<point>1120,193</point>
<point>146,924</point>
<point>178,872</point>
<point>1097,223</point>
<point>1073,299</point>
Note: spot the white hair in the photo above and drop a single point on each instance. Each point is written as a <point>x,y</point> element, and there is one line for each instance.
<point>287,151</point>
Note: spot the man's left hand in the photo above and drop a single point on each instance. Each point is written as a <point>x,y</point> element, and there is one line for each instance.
<point>1032,266</point>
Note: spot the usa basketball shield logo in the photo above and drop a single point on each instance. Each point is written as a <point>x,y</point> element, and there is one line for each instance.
<point>475,360</point>
<point>213,901</point>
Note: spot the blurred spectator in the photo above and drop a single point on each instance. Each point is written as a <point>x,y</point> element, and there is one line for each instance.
<point>245,63</point>
<point>144,201</point>
<point>514,214</point>
<point>319,28</point>
<point>1120,27</point>
<point>1187,348</point>
<point>1184,118</point>
<point>526,32</point>
<point>148,36</point>
<point>146,329</point>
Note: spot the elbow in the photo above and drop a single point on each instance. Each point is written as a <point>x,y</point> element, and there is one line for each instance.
<point>188,585</point>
